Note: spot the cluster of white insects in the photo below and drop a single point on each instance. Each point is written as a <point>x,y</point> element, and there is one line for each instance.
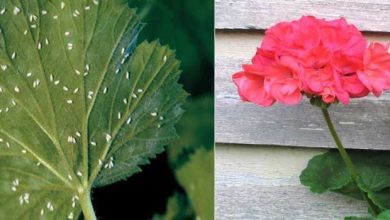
<point>72,139</point>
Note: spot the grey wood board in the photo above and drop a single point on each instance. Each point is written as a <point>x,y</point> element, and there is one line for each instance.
<point>258,14</point>
<point>364,124</point>
<point>263,183</point>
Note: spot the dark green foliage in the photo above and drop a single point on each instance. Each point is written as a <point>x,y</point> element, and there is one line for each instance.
<point>178,208</point>
<point>327,172</point>
<point>187,26</point>
<point>193,162</point>
<point>196,130</point>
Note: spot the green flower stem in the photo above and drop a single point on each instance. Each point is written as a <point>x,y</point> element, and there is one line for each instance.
<point>347,160</point>
<point>86,205</point>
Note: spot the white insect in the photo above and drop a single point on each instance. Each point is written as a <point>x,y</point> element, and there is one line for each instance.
<point>90,94</point>
<point>70,46</point>
<point>50,206</point>
<point>108,137</point>
<point>36,83</point>
<point>24,198</point>
<point>70,216</point>
<point>110,164</point>
<point>128,121</point>
<point>16,10</point>
<point>71,140</point>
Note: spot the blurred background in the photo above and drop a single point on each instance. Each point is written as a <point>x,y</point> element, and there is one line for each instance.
<point>179,183</point>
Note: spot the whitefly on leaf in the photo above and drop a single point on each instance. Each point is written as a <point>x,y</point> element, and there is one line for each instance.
<point>82,105</point>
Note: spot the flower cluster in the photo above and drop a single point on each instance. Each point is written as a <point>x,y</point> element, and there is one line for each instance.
<point>317,58</point>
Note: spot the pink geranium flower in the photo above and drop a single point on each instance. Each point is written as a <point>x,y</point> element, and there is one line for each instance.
<point>316,58</point>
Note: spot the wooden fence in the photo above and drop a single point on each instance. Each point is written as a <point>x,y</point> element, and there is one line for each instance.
<point>261,151</point>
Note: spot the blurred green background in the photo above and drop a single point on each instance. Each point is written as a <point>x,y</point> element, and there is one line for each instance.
<point>178,184</point>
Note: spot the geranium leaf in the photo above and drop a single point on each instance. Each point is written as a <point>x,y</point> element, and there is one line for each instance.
<point>385,215</point>
<point>381,198</point>
<point>81,105</point>
<point>325,172</point>
<point>196,178</point>
<point>358,218</point>
<point>373,169</point>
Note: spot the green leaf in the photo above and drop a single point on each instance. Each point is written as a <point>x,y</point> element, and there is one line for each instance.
<point>381,198</point>
<point>385,215</point>
<point>196,129</point>
<point>358,218</point>
<point>178,208</point>
<point>81,105</point>
<point>325,172</point>
<point>197,178</point>
<point>351,190</point>
<point>191,31</point>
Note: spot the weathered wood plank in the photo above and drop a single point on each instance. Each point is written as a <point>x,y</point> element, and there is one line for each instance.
<point>364,124</point>
<point>263,183</point>
<point>258,14</point>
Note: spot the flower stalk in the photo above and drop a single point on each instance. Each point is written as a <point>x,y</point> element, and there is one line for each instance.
<point>347,160</point>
